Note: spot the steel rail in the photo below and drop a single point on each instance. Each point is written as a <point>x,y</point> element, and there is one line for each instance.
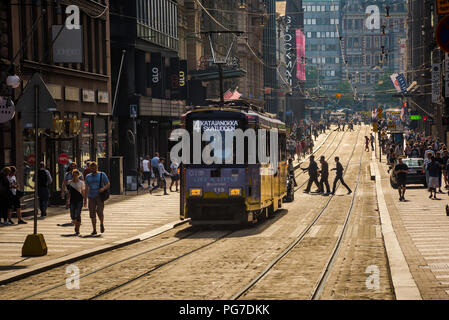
<point>298,240</point>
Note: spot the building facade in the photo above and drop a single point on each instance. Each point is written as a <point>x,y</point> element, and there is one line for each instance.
<point>81,90</point>
<point>149,80</point>
<point>372,46</point>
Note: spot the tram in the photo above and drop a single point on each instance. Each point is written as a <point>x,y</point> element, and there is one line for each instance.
<point>233,194</point>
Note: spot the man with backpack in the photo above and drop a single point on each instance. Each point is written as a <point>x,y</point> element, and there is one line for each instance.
<point>43,181</point>
<point>97,183</point>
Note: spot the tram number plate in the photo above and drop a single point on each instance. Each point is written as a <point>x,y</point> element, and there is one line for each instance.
<point>219,190</point>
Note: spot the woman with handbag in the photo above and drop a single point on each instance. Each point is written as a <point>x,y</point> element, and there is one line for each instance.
<point>15,198</point>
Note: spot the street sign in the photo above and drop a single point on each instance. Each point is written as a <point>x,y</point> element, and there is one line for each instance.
<point>442,7</point>
<point>63,159</point>
<point>26,104</point>
<point>442,34</point>
<point>31,159</point>
<point>436,83</point>
<point>133,111</point>
<point>7,110</point>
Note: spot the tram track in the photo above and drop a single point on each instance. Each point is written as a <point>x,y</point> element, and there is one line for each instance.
<point>155,267</point>
<point>328,266</point>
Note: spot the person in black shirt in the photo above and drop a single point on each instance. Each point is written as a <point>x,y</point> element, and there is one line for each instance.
<point>313,174</point>
<point>339,176</point>
<point>400,171</point>
<point>324,181</point>
<point>444,160</point>
<point>434,170</point>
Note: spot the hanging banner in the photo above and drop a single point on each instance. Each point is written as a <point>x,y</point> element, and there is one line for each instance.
<point>183,80</point>
<point>300,55</point>
<point>394,79</point>
<point>173,78</point>
<point>156,75</point>
<point>402,83</point>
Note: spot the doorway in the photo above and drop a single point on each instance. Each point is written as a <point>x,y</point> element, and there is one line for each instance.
<point>58,163</point>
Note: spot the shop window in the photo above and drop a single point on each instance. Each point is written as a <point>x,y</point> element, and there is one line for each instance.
<point>101,135</point>
<point>86,139</point>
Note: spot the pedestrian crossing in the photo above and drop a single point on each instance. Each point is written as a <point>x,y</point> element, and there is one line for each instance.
<point>131,216</point>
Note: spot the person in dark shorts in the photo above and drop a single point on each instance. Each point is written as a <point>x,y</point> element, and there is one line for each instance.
<point>324,181</point>
<point>400,171</point>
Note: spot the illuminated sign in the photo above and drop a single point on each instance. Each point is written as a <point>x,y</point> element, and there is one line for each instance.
<point>415,117</point>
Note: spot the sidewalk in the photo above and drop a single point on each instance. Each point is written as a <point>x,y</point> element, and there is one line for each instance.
<point>422,229</point>
<point>125,217</point>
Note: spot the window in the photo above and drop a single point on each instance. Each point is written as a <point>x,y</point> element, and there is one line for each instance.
<point>318,34</point>
<point>323,8</point>
<point>332,34</point>
<point>309,34</point>
<point>313,8</point>
<point>327,34</point>
<point>332,21</point>
<point>309,8</point>
<point>337,60</point>
<point>313,21</point>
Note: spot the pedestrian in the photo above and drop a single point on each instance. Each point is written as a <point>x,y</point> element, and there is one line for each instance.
<point>434,170</point>
<point>291,171</point>
<point>445,160</point>
<point>16,195</point>
<point>155,167</point>
<point>44,179</point>
<point>401,171</point>
<point>426,163</point>
<point>366,144</point>
<point>78,199</point>
<point>96,184</point>
<point>161,177</point>
<point>5,195</point>
<point>439,160</point>
<point>313,175</point>
<point>67,177</point>
<point>339,176</point>
<point>371,138</point>
<point>324,173</point>
<point>146,171</point>
<point>174,175</point>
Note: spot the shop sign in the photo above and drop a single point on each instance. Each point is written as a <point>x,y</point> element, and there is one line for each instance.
<point>442,7</point>
<point>68,46</point>
<point>63,159</point>
<point>103,97</point>
<point>31,159</point>
<point>72,94</point>
<point>7,109</point>
<point>88,95</point>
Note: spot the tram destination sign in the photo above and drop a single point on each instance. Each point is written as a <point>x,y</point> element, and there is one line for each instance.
<point>215,125</point>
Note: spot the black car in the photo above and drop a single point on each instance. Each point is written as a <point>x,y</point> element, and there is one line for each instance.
<point>415,175</point>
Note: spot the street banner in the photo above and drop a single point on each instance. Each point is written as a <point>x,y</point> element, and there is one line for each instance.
<point>442,7</point>
<point>395,81</point>
<point>300,55</point>
<point>402,83</point>
<point>156,75</point>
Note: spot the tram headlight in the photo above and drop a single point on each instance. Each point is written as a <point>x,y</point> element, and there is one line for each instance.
<point>196,192</point>
<point>235,192</point>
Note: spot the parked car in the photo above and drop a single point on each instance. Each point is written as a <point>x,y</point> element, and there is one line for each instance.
<point>415,175</point>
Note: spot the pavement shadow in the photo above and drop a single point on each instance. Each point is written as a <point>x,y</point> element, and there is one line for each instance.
<point>69,235</point>
<point>91,236</point>
<point>69,224</point>
<point>209,231</point>
<point>7,268</point>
